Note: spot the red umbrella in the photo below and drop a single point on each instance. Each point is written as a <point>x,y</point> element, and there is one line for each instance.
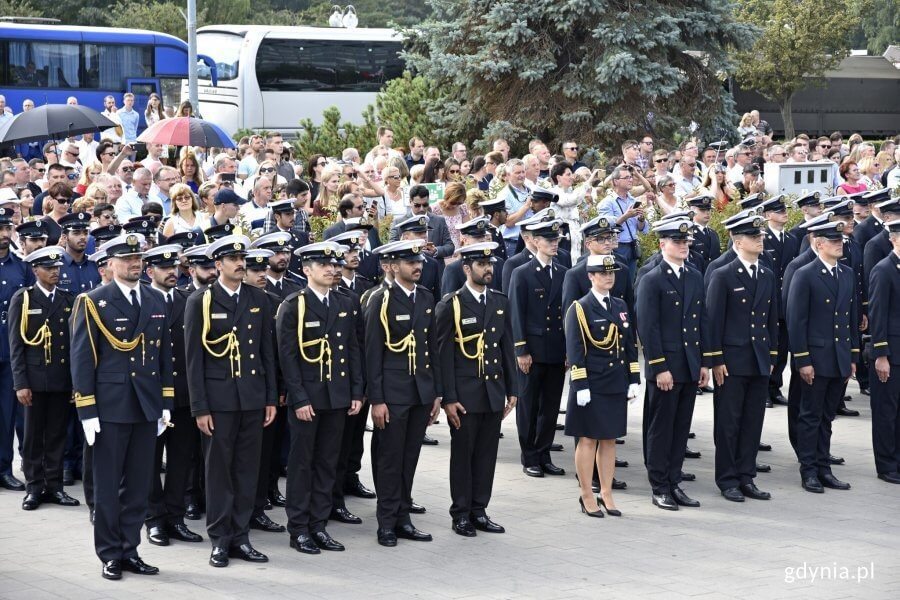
<point>186,131</point>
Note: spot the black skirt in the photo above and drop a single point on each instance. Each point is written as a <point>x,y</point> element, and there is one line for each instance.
<point>604,418</point>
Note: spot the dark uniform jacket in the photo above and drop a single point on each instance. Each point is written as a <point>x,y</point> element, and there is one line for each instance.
<point>225,383</point>
<point>670,312</point>
<point>741,325</point>
<point>176,323</point>
<point>536,305</point>
<point>298,240</point>
<point>114,383</point>
<point>727,257</point>
<point>480,384</point>
<point>706,247</point>
<point>288,287</point>
<point>802,260</point>
<point>876,249</point>
<point>404,375</point>
<point>14,274</point>
<point>866,230</point>
<point>884,309</point>
<point>43,367</point>
<point>454,277</point>
<point>78,277</point>
<point>611,367</point>
<point>325,372</point>
<point>576,284</point>
<point>821,315</point>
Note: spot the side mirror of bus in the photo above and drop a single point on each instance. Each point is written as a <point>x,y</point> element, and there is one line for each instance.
<point>204,63</point>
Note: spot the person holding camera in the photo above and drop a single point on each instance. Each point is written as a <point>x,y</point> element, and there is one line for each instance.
<point>628,214</point>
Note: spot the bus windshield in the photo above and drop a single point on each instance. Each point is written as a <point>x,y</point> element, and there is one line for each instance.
<point>224,49</point>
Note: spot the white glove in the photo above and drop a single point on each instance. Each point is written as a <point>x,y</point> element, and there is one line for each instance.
<point>633,392</point>
<point>91,429</point>
<point>162,423</point>
<point>583,397</point>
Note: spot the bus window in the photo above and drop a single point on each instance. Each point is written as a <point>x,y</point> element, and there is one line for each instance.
<point>108,66</point>
<point>225,49</point>
<point>170,90</point>
<point>44,64</point>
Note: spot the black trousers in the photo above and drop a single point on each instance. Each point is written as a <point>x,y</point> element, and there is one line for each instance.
<point>266,451</point>
<point>181,444</point>
<point>793,407</point>
<point>279,429</point>
<point>740,405</point>
<point>87,473</point>
<point>473,459</point>
<point>668,425</point>
<point>538,411</point>
<point>776,379</point>
<point>885,401</point>
<point>45,441</point>
<point>232,466</point>
<point>818,405</point>
<point>123,466</point>
<point>397,448</point>
<point>315,448</point>
<point>350,458</point>
<point>73,459</point>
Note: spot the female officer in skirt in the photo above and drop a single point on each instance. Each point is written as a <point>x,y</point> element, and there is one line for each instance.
<point>601,348</point>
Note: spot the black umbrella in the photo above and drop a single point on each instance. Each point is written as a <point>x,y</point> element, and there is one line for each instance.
<point>52,121</point>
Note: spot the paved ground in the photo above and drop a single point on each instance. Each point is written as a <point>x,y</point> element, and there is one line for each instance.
<point>797,545</point>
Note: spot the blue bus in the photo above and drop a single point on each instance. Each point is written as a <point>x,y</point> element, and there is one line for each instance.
<point>49,63</point>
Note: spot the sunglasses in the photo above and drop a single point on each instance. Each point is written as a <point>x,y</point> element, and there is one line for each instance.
<point>72,176</point>
<point>661,160</point>
<point>394,177</point>
<point>41,170</point>
<point>128,169</point>
<point>572,148</point>
<point>420,204</point>
<point>267,170</point>
<point>108,154</point>
<point>351,175</point>
<point>62,200</point>
<point>454,171</point>
<point>227,184</point>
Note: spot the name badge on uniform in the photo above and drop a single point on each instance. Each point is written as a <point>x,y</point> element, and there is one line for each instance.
<point>312,324</point>
<point>599,320</point>
<point>739,289</point>
<point>122,319</point>
<point>469,321</point>
<point>218,316</point>
<point>401,318</point>
<point>35,311</point>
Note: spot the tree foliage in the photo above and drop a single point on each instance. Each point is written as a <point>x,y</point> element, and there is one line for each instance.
<point>880,24</point>
<point>11,8</point>
<point>801,40</point>
<point>331,137</point>
<point>595,70</point>
<point>405,104</point>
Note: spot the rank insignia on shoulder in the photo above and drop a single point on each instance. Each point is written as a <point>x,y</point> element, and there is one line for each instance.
<point>254,310</point>
<point>342,314</point>
<point>427,311</point>
<point>499,311</point>
<point>102,304</point>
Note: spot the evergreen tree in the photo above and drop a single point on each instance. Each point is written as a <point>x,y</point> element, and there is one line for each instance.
<point>595,70</point>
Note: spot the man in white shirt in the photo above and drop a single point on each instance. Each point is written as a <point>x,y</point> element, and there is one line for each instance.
<point>130,204</point>
<point>113,133</point>
<point>742,156</point>
<point>686,181</point>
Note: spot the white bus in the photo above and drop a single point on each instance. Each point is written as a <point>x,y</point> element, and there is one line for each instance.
<point>271,77</point>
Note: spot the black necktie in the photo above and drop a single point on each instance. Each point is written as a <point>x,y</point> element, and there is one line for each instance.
<point>834,272</point>
<point>134,299</point>
<point>412,298</point>
<point>549,269</point>
<point>481,299</point>
<point>680,272</point>
<point>752,271</point>
<point>606,302</point>
<point>352,285</point>
<point>235,298</point>
<point>325,301</point>
<point>278,286</point>
<point>169,300</point>
<point>52,294</point>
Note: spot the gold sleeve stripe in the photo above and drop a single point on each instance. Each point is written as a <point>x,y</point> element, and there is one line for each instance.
<point>634,367</point>
<point>657,361</point>
<point>168,392</point>
<point>801,354</point>
<point>716,353</point>
<point>854,349</point>
<point>520,344</point>
<point>82,401</point>
<point>579,373</point>
<point>879,344</point>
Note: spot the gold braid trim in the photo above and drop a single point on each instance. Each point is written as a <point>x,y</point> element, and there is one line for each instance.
<point>43,336</point>
<point>407,344</point>
<point>82,401</point>
<point>324,356</point>
<point>610,342</point>
<point>91,313</point>
<point>879,344</point>
<point>232,344</point>
<point>462,340</point>
<point>579,373</point>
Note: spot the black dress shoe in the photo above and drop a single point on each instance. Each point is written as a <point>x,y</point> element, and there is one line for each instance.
<point>218,557</point>
<point>688,476</point>
<point>305,544</point>
<point>276,498</point>
<point>620,441</point>
<point>617,485</point>
<point>68,478</point>
<point>248,553</point>
<point>369,429</point>
<point>264,523</point>
<point>708,389</point>
<point>551,469</point>
<point>31,501</point>
<point>61,498</point>
<point>763,468</point>
<point>387,538</point>
<point>621,464</point>
<point>765,447</point>
<point>416,509</point>
<point>664,501</point>
<point>429,441</point>
<point>192,512</point>
<point>463,526</point>
<point>326,542</point>
<point>733,494</point>
<point>112,569</point>
<point>847,412</point>
<point>11,483</point>
<point>157,536</point>
<point>613,512</point>
<point>888,477</point>
<point>779,399</point>
<point>691,435</point>
<point>835,460</point>
<point>769,403</point>
<point>812,484</point>
<point>560,427</point>
<point>699,391</point>
<point>484,523</point>
<point>751,491</point>
<point>409,532</point>
<point>533,471</point>
<point>683,499</point>
<point>830,481</point>
<point>179,531</point>
<point>864,391</point>
<point>138,566</point>
<point>359,490</point>
<point>267,505</point>
<point>597,514</point>
<point>342,515</point>
<point>688,453</point>
<point>556,447</point>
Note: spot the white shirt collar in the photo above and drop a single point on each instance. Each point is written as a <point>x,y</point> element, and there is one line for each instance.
<point>600,297</point>
<point>540,262</point>
<point>747,265</point>
<point>405,291</point>
<point>827,266</point>
<point>166,293</point>
<point>348,282</point>
<point>475,294</point>
<point>227,291</point>
<point>126,291</point>
<point>273,280</point>
<point>321,297</point>
<point>43,289</point>
<point>673,266</point>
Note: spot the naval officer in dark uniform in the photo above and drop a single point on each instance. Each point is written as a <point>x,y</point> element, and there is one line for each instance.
<point>478,371</point>
<point>880,245</point>
<point>320,360</point>
<point>823,330</point>
<point>706,246</point>
<point>230,349</point>
<point>124,389</point>
<point>283,215</point>
<point>741,342</point>
<point>39,354</point>
<point>600,236</point>
<point>474,231</point>
<point>670,308</point>
<point>416,228</point>
<point>872,225</point>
